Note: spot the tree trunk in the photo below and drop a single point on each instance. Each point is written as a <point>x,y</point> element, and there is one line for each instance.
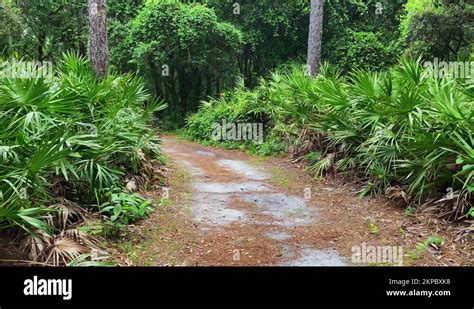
<point>98,46</point>
<point>315,37</point>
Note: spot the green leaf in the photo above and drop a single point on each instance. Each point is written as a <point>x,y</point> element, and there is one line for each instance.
<point>117,210</point>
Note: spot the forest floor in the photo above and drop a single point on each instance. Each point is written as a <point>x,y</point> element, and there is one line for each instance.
<point>228,208</point>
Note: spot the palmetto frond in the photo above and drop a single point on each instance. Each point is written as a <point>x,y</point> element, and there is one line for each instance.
<point>406,132</point>
<point>74,130</point>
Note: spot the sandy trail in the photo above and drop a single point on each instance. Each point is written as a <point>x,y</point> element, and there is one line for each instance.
<point>234,199</point>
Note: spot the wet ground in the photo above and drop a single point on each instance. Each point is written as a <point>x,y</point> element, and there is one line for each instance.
<point>228,192</point>
<point>228,208</point>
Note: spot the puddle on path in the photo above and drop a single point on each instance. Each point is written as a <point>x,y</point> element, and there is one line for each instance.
<point>193,170</point>
<point>212,209</point>
<point>280,236</point>
<point>206,153</point>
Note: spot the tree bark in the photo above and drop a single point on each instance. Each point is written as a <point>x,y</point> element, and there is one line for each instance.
<point>98,45</point>
<point>315,37</point>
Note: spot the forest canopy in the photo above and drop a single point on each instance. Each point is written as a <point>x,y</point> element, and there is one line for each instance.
<point>159,37</point>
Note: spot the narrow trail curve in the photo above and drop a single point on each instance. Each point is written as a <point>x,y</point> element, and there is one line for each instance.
<point>246,219</point>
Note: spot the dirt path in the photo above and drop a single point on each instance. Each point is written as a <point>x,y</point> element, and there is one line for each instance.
<point>257,221</point>
<point>229,208</point>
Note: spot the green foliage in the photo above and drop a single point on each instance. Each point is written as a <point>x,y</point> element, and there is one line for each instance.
<point>190,56</point>
<point>274,33</point>
<point>207,44</point>
<point>470,213</point>
<point>10,27</point>
<point>238,106</point>
<point>374,229</point>
<point>402,128</point>
<point>120,16</point>
<point>409,211</point>
<point>414,8</point>
<point>360,50</point>
<point>48,28</point>
<point>433,240</point>
<point>233,106</point>
<point>123,208</point>
<point>69,135</point>
<point>356,37</point>
<point>441,29</point>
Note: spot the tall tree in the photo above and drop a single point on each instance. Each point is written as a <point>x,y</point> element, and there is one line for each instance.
<point>178,59</point>
<point>315,36</point>
<point>98,45</point>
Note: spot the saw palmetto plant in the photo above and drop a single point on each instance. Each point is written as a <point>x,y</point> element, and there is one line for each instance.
<point>64,141</point>
<point>405,132</point>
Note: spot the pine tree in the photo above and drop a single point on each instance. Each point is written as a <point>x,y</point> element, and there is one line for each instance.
<point>315,37</point>
<point>98,45</point>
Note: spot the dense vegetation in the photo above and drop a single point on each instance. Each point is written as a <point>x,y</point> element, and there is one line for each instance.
<point>245,39</point>
<point>404,131</point>
<point>68,143</point>
<point>75,144</point>
<point>187,57</point>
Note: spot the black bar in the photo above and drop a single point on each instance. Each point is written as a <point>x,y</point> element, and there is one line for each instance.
<point>336,285</point>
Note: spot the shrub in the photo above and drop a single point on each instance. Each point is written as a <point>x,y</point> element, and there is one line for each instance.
<point>438,29</point>
<point>360,50</point>
<point>64,140</point>
<point>124,208</point>
<point>405,132</point>
<point>234,106</point>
